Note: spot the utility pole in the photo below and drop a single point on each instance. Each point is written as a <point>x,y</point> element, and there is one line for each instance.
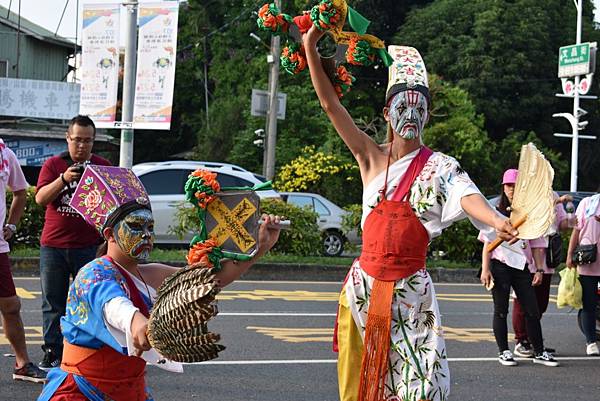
<point>126,155</point>
<point>575,126</point>
<point>271,131</point>
<point>576,56</point>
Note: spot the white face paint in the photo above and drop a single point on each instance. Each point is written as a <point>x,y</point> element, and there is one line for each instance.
<point>408,113</point>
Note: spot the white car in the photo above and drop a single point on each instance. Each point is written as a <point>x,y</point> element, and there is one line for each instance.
<point>329,220</point>
<point>164,182</point>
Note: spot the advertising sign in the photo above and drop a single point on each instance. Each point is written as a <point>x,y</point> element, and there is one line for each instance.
<point>155,75</point>
<point>100,63</point>
<point>36,98</point>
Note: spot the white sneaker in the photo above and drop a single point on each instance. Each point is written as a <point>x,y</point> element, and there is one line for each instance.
<point>523,350</point>
<point>506,358</point>
<point>592,349</point>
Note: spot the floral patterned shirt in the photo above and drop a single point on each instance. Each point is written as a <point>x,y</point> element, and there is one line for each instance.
<point>434,196</point>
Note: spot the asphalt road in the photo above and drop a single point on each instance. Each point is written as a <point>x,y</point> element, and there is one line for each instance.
<point>278,338</point>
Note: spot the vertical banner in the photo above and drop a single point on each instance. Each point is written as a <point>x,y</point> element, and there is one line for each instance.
<point>155,76</point>
<point>100,63</point>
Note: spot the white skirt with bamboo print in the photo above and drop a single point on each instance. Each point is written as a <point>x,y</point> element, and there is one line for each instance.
<point>418,367</point>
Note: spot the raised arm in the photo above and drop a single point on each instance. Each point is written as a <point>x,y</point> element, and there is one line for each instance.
<point>478,208</point>
<point>359,143</point>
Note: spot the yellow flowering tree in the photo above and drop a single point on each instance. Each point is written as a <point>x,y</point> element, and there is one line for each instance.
<point>330,175</point>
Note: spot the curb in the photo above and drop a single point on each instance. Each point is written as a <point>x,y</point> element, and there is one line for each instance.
<point>22,266</point>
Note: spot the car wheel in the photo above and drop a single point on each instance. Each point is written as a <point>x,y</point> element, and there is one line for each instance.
<point>333,243</point>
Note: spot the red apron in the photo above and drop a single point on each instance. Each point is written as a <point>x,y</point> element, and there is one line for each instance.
<point>394,247</point>
<point>118,376</point>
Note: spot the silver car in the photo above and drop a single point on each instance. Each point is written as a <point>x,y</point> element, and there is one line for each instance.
<point>329,220</point>
<point>164,182</point>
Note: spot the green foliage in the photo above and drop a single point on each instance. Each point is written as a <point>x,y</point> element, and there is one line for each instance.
<point>326,174</point>
<point>457,243</point>
<point>351,221</point>
<point>504,54</point>
<point>188,221</point>
<point>303,238</point>
<point>456,129</point>
<point>29,228</point>
<point>509,149</point>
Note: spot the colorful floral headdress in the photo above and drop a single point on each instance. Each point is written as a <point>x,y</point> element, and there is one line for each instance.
<point>105,194</point>
<point>328,15</point>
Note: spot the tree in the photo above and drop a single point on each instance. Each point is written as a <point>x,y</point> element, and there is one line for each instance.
<point>504,53</point>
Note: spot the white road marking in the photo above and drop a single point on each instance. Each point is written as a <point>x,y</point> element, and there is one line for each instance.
<point>325,361</point>
<point>274,314</point>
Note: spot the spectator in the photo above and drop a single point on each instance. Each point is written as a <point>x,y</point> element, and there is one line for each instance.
<point>587,232</point>
<point>67,242</point>
<point>542,292</point>
<point>506,267</point>
<point>12,176</point>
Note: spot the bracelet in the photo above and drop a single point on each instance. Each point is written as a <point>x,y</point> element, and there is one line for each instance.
<point>539,271</point>
<point>62,177</point>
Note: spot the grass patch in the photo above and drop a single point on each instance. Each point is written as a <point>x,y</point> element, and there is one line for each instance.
<point>450,264</point>
<point>19,251</point>
<point>178,255</point>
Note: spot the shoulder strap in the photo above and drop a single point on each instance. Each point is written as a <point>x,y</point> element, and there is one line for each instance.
<point>414,169</point>
<point>134,293</point>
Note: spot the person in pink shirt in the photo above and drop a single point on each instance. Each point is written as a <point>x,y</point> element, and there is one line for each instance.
<point>11,177</point>
<point>542,292</point>
<point>587,232</point>
<point>508,266</point>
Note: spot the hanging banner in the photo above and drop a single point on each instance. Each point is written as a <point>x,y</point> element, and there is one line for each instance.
<point>100,63</point>
<point>155,76</point>
<point>38,99</point>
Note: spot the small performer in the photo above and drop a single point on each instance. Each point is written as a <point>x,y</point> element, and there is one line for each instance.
<point>105,326</point>
<point>389,332</point>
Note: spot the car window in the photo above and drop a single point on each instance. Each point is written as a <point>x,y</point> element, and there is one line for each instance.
<point>164,182</point>
<point>301,201</point>
<point>226,180</point>
<point>321,209</point>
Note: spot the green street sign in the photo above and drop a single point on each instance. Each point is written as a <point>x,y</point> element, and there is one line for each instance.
<point>575,60</point>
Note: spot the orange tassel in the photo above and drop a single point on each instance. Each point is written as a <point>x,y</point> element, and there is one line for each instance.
<point>377,342</point>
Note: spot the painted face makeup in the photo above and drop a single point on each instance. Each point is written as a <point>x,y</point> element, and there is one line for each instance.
<point>135,234</point>
<point>408,113</point>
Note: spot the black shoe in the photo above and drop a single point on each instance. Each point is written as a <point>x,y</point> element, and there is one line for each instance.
<point>550,350</point>
<point>545,358</point>
<point>51,359</point>
<point>31,373</point>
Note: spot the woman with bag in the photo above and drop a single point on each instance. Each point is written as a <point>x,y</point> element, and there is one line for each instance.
<point>542,292</point>
<point>583,254</point>
<point>509,266</point>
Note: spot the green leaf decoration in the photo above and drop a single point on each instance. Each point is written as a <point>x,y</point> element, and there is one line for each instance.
<point>358,23</point>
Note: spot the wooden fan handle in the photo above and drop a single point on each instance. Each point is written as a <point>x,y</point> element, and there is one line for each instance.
<point>496,243</point>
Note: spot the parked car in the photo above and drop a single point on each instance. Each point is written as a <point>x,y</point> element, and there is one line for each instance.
<point>164,182</point>
<point>329,220</point>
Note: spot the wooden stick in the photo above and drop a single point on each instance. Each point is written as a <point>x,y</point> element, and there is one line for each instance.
<point>496,243</point>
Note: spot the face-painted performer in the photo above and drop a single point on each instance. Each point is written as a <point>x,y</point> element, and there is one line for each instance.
<point>410,195</point>
<point>135,234</point>
<point>105,327</point>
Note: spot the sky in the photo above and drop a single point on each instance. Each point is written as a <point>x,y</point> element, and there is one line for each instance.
<point>47,13</point>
